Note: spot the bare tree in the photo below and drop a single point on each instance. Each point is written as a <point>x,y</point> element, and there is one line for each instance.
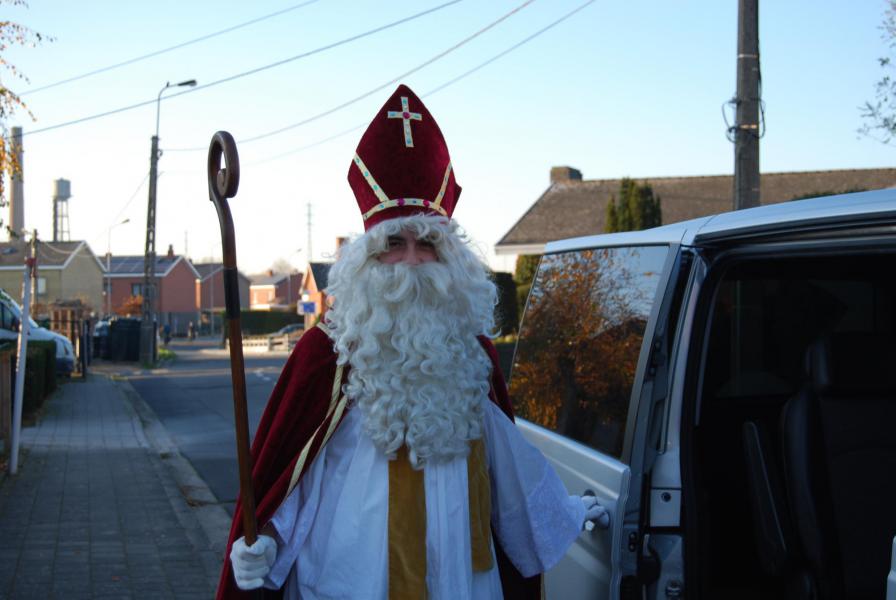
<point>12,34</point>
<point>282,266</point>
<point>880,114</point>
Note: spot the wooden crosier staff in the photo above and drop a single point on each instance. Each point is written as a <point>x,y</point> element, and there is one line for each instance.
<point>222,184</point>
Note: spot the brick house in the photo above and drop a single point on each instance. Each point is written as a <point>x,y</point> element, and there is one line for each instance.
<point>176,280</point>
<point>274,291</point>
<point>313,284</point>
<point>66,272</point>
<point>574,207</point>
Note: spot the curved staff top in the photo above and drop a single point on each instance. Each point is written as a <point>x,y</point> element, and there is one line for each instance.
<point>223,184</point>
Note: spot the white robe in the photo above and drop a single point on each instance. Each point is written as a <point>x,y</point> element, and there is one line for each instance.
<point>332,530</point>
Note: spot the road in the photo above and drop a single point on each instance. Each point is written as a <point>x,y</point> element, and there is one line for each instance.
<point>192,398</point>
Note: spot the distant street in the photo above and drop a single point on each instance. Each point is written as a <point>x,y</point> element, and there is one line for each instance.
<point>192,398</point>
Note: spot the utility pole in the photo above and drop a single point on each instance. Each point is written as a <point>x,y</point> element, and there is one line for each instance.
<point>21,358</point>
<point>148,325</point>
<point>309,234</point>
<point>34,286</point>
<point>747,102</point>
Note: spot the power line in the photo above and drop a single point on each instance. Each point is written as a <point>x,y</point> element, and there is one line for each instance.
<point>249,72</point>
<point>438,88</point>
<point>125,207</point>
<point>509,50</point>
<point>168,49</point>
<point>378,88</point>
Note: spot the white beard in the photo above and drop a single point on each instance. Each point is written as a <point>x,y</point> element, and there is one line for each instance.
<point>418,373</point>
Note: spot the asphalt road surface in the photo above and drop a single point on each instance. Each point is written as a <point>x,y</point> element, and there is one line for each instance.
<point>192,398</point>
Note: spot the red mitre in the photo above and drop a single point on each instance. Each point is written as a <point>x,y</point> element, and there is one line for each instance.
<point>401,166</point>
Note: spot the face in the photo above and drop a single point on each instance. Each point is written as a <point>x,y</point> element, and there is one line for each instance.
<point>405,248</point>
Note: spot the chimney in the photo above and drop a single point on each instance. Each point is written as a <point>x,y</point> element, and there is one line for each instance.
<point>564,174</point>
<point>170,251</point>
<point>270,272</point>
<point>17,194</point>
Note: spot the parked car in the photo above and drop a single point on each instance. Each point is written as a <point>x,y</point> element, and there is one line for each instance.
<point>11,318</point>
<point>291,329</point>
<point>726,387</point>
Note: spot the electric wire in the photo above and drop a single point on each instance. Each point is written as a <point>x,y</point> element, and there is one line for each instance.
<point>121,211</point>
<point>378,88</point>
<point>436,89</point>
<point>168,49</point>
<point>249,72</point>
<point>49,246</point>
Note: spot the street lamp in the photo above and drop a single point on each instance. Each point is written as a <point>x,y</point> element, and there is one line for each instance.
<point>109,265</point>
<point>147,327</point>
<point>187,83</point>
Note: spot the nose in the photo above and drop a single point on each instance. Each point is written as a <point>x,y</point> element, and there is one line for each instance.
<point>412,253</point>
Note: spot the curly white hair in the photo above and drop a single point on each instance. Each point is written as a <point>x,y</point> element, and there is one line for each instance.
<point>418,372</point>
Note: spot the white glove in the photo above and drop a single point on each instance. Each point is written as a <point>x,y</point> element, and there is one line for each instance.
<point>252,563</point>
<point>595,514</point>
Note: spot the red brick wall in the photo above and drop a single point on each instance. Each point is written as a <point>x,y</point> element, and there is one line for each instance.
<point>212,292</point>
<point>121,290</point>
<point>177,290</point>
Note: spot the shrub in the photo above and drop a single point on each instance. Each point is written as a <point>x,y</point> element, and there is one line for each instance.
<point>260,322</point>
<point>40,373</point>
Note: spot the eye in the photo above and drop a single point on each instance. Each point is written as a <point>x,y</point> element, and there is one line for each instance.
<point>395,242</point>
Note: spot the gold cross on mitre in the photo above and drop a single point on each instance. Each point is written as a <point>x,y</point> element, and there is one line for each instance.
<point>406,116</point>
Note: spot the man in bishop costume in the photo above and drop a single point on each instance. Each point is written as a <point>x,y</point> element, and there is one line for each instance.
<point>387,464</point>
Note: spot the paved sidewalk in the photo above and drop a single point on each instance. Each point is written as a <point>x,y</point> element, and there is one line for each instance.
<point>98,510</point>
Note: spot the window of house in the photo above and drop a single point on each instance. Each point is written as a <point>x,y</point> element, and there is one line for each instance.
<point>580,340</point>
<point>41,286</point>
<point>136,289</point>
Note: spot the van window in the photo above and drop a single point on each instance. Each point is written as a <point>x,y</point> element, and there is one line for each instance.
<point>579,342</point>
<point>6,317</point>
<point>766,314</point>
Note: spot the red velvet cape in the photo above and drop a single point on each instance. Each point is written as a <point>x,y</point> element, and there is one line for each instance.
<point>296,408</point>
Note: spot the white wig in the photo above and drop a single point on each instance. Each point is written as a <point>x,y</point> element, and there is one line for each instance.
<point>409,333</point>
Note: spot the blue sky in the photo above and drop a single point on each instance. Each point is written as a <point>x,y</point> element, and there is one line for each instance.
<point>619,89</point>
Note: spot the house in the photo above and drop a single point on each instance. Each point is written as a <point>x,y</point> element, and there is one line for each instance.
<point>176,288</point>
<point>210,291</point>
<point>314,299</point>
<point>574,207</point>
<point>274,291</point>
<point>66,272</point>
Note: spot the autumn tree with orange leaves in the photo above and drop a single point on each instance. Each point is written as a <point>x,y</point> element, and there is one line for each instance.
<point>131,307</point>
<point>579,346</point>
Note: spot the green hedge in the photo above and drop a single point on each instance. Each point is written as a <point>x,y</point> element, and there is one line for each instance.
<point>40,373</point>
<point>260,322</point>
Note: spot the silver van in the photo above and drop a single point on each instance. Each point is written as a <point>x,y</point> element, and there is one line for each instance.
<point>727,387</point>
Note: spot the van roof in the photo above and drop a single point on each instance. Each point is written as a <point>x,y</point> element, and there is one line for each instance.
<point>862,208</point>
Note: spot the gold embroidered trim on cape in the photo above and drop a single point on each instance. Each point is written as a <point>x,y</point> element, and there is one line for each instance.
<point>334,413</point>
<point>407,522</point>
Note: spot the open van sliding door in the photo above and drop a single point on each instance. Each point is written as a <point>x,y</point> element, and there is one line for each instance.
<point>584,352</point>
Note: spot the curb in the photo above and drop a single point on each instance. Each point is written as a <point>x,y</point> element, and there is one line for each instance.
<point>201,515</point>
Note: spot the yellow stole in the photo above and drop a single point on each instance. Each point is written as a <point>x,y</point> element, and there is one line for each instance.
<point>407,522</point>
